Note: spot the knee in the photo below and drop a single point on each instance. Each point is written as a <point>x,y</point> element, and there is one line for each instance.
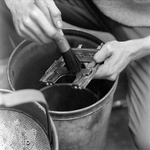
<point>142,141</point>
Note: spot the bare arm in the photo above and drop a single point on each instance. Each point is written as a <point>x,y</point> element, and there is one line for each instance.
<point>117,55</point>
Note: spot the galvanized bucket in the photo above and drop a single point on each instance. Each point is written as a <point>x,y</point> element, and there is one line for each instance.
<point>82,116</point>
<point>24,123</point>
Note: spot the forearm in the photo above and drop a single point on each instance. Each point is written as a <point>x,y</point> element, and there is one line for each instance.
<point>139,48</point>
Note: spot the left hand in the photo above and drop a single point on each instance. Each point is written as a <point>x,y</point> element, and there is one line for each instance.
<point>115,57</point>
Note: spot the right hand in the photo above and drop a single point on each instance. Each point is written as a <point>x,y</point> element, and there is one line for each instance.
<point>36,20</point>
<point>113,58</point>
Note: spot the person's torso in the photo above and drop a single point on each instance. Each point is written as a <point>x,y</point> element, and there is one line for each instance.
<point>127,12</point>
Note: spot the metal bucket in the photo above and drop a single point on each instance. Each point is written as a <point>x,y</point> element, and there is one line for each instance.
<point>23,117</point>
<point>81,116</point>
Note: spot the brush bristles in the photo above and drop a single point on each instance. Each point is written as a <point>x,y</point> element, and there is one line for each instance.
<point>72,62</point>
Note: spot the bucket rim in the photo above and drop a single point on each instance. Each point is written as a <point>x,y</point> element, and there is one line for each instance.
<point>5,91</point>
<point>26,43</point>
<point>85,109</point>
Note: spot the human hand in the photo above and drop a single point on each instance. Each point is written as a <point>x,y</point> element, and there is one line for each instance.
<point>35,20</point>
<point>115,57</point>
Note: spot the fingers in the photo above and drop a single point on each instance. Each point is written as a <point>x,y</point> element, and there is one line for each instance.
<point>91,64</point>
<point>42,6</point>
<point>36,31</point>
<point>51,11</point>
<point>36,20</point>
<point>30,30</point>
<point>102,54</point>
<point>106,72</point>
<point>36,27</point>
<point>106,69</point>
<point>55,13</point>
<point>41,20</point>
<point>26,34</point>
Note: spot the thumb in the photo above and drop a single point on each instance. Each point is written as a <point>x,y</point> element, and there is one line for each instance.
<point>102,55</point>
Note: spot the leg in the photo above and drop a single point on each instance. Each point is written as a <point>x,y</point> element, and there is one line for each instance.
<point>138,98</point>
<point>139,102</point>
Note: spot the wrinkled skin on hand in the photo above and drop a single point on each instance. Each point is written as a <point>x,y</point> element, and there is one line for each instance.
<point>115,57</point>
<point>35,20</point>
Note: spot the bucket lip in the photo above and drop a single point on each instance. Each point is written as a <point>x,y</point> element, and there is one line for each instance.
<point>26,42</point>
<point>5,91</point>
<point>84,32</point>
<point>86,108</point>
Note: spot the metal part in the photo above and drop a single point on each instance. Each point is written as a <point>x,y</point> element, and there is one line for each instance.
<point>21,127</point>
<point>54,72</point>
<point>83,77</point>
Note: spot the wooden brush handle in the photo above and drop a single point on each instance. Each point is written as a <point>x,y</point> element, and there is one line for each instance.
<point>62,42</point>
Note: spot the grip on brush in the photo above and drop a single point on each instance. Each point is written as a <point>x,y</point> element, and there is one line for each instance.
<point>62,42</point>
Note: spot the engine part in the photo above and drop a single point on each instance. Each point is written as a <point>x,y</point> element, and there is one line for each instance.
<point>82,78</point>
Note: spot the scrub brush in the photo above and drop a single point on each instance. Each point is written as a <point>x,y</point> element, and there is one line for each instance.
<point>72,62</point>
